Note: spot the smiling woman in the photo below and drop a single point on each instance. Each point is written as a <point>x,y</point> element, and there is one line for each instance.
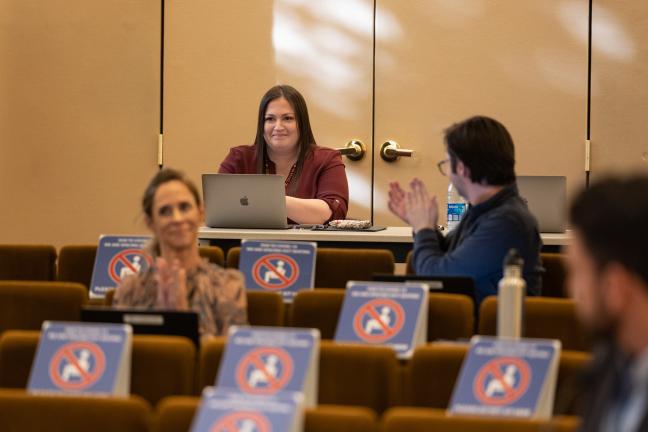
<point>180,279</point>
<point>314,176</point>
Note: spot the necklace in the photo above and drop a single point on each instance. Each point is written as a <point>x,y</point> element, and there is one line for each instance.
<point>290,175</point>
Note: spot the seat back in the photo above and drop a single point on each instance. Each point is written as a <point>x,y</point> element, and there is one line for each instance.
<point>349,374</point>
<point>548,318</point>
<point>211,354</point>
<point>450,317</point>
<point>426,419</point>
<point>553,280</point>
<point>409,265</point>
<point>20,411</point>
<point>318,309</point>
<point>265,308</point>
<point>25,305</point>
<point>214,254</point>
<point>27,262</point>
<point>175,414</point>
<point>435,367</point>
<point>334,267</point>
<point>433,371</point>
<point>76,262</point>
<point>358,375</point>
<point>160,365</point>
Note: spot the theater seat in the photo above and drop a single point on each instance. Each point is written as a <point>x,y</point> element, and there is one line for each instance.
<point>265,308</point>
<point>358,375</point>
<point>550,318</point>
<point>427,419</point>
<point>553,280</point>
<point>21,412</point>
<point>175,414</point>
<point>433,371</point>
<point>25,305</point>
<point>435,367</point>
<point>211,354</point>
<point>76,262</point>
<point>348,374</point>
<point>161,365</point>
<point>318,309</point>
<point>334,267</point>
<point>27,262</point>
<point>450,316</point>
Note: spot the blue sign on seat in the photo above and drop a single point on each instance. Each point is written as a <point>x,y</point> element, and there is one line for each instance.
<point>381,313</point>
<point>505,377</point>
<point>82,358</point>
<point>117,257</point>
<point>268,361</point>
<point>227,410</point>
<point>283,267</point>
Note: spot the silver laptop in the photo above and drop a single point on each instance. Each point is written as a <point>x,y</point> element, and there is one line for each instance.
<point>244,201</point>
<point>546,197</point>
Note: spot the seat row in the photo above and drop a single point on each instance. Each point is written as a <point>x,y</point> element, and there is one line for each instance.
<point>25,305</point>
<point>22,412</point>
<point>349,374</point>
<point>334,267</point>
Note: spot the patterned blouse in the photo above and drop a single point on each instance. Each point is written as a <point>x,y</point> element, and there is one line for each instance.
<point>217,294</point>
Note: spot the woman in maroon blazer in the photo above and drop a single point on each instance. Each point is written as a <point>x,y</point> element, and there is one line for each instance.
<point>315,179</point>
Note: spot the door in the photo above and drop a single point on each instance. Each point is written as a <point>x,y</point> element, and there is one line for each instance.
<point>619,91</point>
<point>79,117</point>
<point>438,62</point>
<point>221,57</point>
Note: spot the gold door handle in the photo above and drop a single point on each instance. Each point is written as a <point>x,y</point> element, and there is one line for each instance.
<point>354,150</point>
<point>390,151</point>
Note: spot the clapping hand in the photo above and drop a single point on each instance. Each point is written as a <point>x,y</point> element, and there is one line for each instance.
<point>421,211</point>
<point>171,285</point>
<point>397,199</point>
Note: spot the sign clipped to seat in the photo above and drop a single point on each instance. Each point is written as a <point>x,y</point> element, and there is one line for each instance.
<point>269,361</point>
<point>283,267</point>
<point>225,410</point>
<point>75,358</point>
<point>117,257</point>
<point>393,314</point>
<point>507,377</point>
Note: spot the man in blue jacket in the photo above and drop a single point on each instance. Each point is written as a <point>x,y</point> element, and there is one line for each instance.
<point>481,166</point>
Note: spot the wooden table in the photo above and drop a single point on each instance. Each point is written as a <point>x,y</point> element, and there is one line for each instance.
<point>397,239</point>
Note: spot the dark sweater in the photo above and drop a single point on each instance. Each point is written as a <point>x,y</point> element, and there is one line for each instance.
<point>477,247</point>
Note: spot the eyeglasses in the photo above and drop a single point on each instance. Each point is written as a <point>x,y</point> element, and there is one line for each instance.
<point>443,167</point>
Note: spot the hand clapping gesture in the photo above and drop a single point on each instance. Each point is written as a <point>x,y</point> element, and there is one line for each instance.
<point>414,206</point>
<point>397,199</point>
<point>171,285</point>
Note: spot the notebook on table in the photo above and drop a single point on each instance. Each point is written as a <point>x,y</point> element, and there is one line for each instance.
<point>244,201</point>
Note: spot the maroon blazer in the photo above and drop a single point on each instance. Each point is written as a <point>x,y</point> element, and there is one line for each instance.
<point>323,175</point>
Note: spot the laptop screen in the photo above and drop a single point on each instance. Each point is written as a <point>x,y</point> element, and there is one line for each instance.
<point>443,284</point>
<point>144,321</point>
<point>244,201</point>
